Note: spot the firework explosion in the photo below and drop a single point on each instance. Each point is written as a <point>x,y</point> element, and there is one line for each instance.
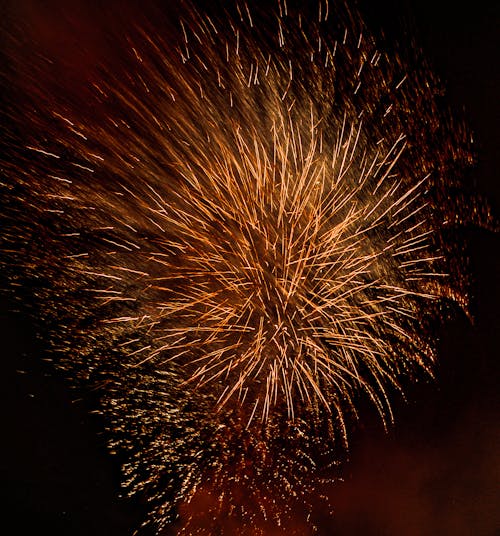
<point>238,225</point>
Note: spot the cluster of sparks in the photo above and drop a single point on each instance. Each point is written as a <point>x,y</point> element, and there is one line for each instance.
<point>237,237</point>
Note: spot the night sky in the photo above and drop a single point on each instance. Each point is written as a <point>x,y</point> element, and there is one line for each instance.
<point>437,471</point>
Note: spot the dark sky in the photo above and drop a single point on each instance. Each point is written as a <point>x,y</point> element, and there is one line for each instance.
<point>437,471</point>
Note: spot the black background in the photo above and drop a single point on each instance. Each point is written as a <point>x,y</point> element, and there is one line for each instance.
<point>437,471</point>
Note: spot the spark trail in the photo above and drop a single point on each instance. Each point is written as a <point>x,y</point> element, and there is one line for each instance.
<point>237,223</point>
